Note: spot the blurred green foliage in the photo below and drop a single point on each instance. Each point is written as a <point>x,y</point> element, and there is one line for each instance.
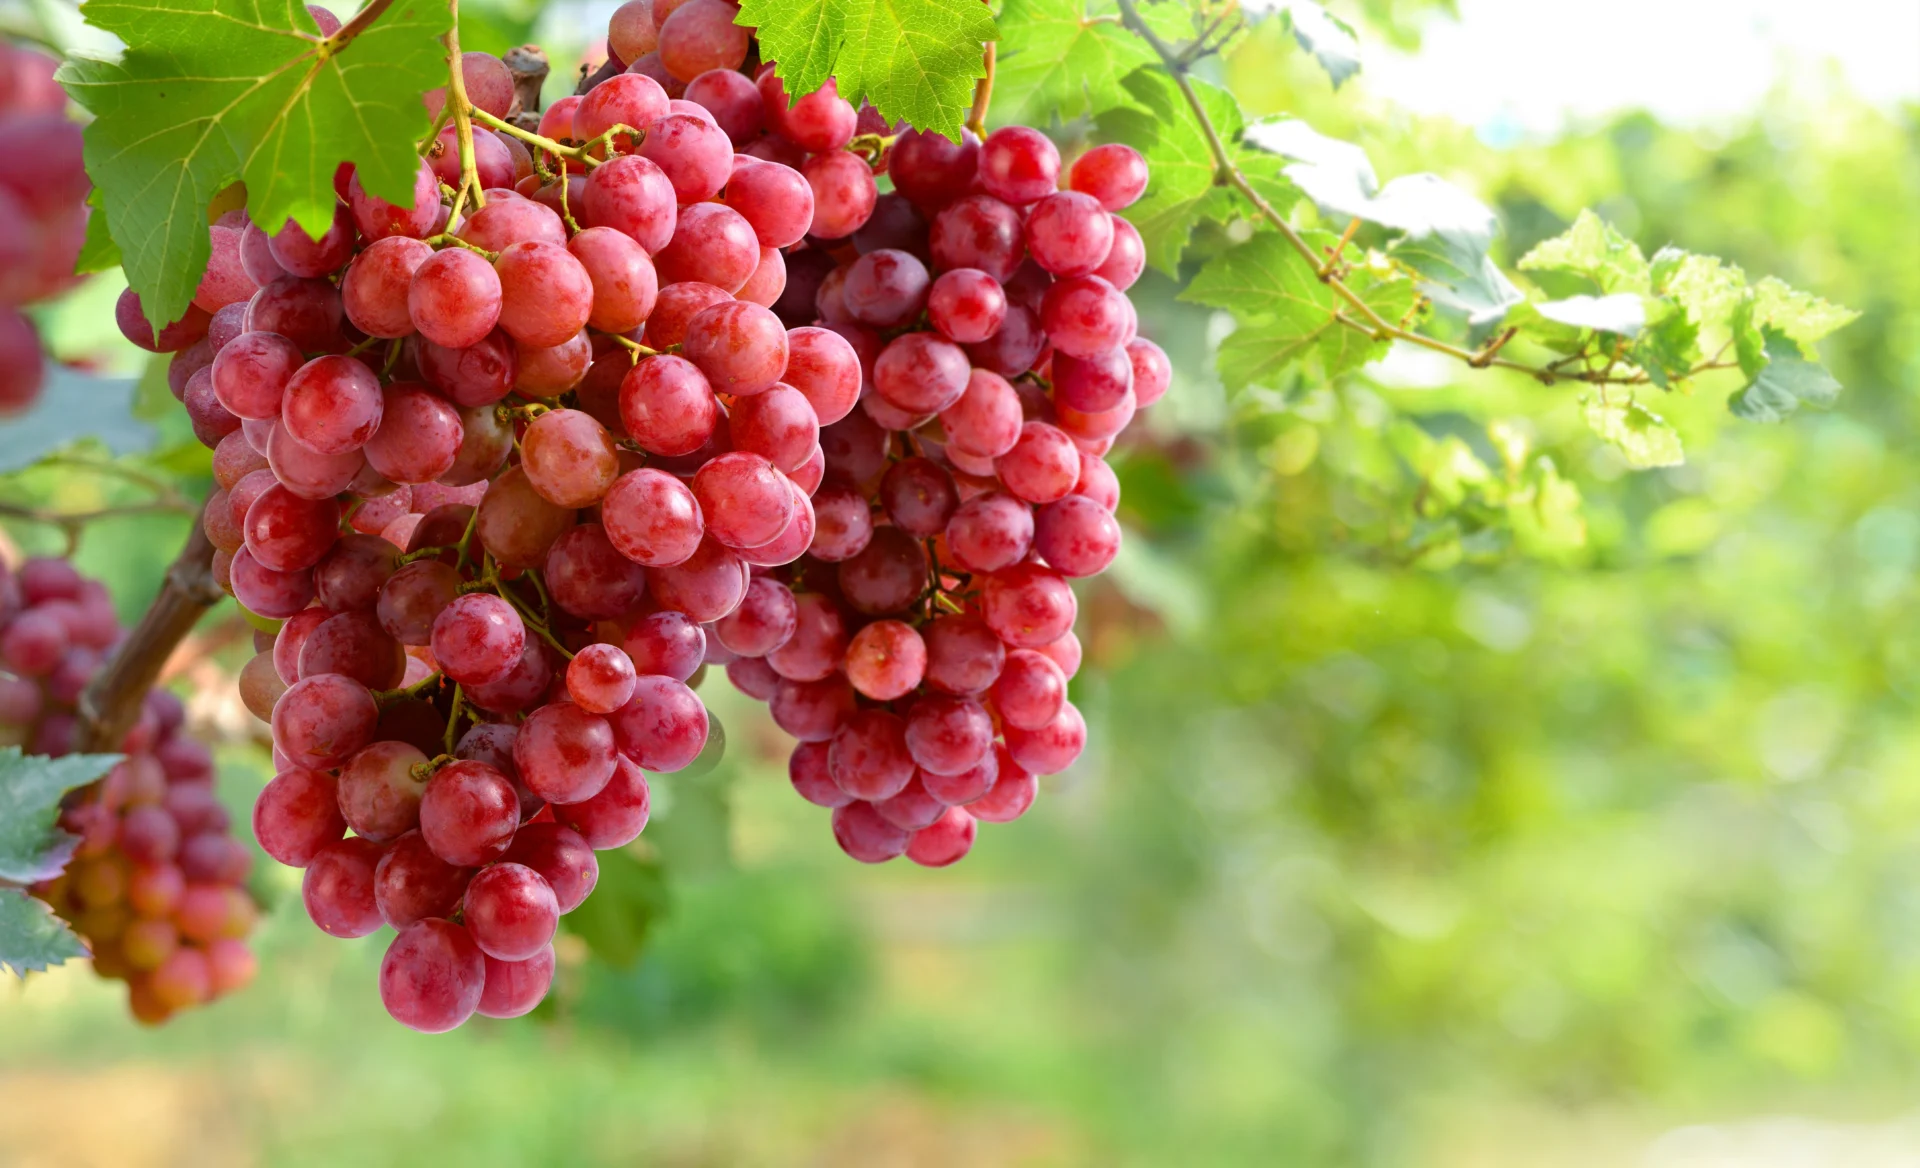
<point>1381,827</point>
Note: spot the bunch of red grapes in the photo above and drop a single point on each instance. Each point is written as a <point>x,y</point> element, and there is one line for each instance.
<point>43,214</point>
<point>156,881</point>
<point>511,476</point>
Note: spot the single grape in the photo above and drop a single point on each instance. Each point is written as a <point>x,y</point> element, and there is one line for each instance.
<point>562,857</point>
<point>945,841</point>
<point>625,285</point>
<point>694,155</point>
<point>652,518</point>
<point>478,375</point>
<point>338,888</point>
<point>979,232</point>
<point>807,768</point>
<point>931,169</point>
<point>667,406</point>
<point>468,813</point>
<point>569,458</point>
<point>321,720</point>
<point>887,576</point>
<point>565,754</point>
<point>1127,259</point>
<point>921,373</point>
<point>379,791</point>
<point>1085,316</point>
<point>454,299</point>
<point>301,254</point>
<point>477,638</point>
<point>510,911</point>
<point>514,988</point>
<point>378,219</point>
<point>629,99</point>
<point>868,757</point>
<point>763,622</point>
<point>600,679</point>
<point>886,288</point>
<point>432,977</point>
<point>1151,371</point>
<point>516,524</point>
<point>413,597</point>
<point>588,577</point>
<point>843,193</point>
<point>1098,482</point>
<point>712,244</point>
<point>778,425</point>
<point>1019,165</point>
<point>919,496</point>
<point>1114,174</point>
<point>741,348</point>
<point>1076,536</point>
<point>863,834</point>
<point>544,294</point>
<point>948,735</point>
<point>354,645</point>
<point>664,727</point>
<point>412,884</point>
<point>845,523</point>
<point>886,660</point>
<point>745,501</point>
<point>734,101</point>
<point>1027,605</point>
<point>701,35</point>
<point>615,816</point>
<point>632,195</point>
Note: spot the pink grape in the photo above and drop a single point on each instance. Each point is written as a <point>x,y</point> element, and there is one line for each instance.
<point>1030,690</point>
<point>301,254</point>
<point>711,244</point>
<point>1012,792</point>
<point>420,435</point>
<point>744,499</point>
<point>588,577</point>
<point>617,815</point>
<point>1043,465</point>
<point>886,660</point>
<point>1076,535</point>
<point>1053,747</point>
<point>863,834</point>
<point>478,375</point>
<point>337,888</point>
<point>733,100</point>
<point>545,294</point>
<point>966,305</point>
<point>1127,258</point>
<point>919,496</point>
<point>374,290</point>
<point>321,720</point>
<point>1027,605</point>
<point>570,459</point>
<point>818,644</point>
<point>667,643</point>
<point>965,786</point>
<point>600,679</point>
<point>1085,316</point>
<point>913,808</point>
<point>664,727</point>
<point>740,347</point>
<point>886,288</point>
<point>1114,174</point>
<point>652,518</point>
<point>625,99</point>
<point>632,195</point>
<point>945,841</point>
<point>706,586</point>
<point>510,911</point>
<point>807,768</point>
<point>412,884</point>
<point>468,813</point>
<point>454,299</point>
<point>513,988</point>
<point>701,35</point>
<point>811,711</point>
<point>776,200</point>
<point>1151,371</point>
<point>625,285</point>
<point>779,425</point>
<point>565,754</point>
<point>667,405</point>
<point>379,794</point>
<point>845,523</point>
<point>563,859</point>
<point>763,622</point>
<point>694,155</point>
<point>931,169</point>
<point>377,219</point>
<point>265,592</point>
<point>868,756</point>
<point>297,815</point>
<point>843,193</point>
<point>1069,233</point>
<point>824,367</point>
<point>517,524</point>
<point>948,735</point>
<point>286,533</point>
<point>477,638</point>
<point>768,281</point>
<point>1019,165</point>
<point>1098,482</point>
<point>414,595</point>
<point>1014,349</point>
<point>921,373</point>
<point>978,232</point>
<point>432,977</point>
<point>793,541</point>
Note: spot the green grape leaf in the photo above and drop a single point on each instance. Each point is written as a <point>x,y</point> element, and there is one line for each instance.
<point>1287,314</point>
<point>1561,338</point>
<point>1707,287</point>
<point>627,902</point>
<point>1784,384</point>
<point>913,59</point>
<point>31,846</point>
<point>1054,58</point>
<point>1183,186</point>
<point>72,406</point>
<point>1641,436</point>
<point>31,937</point>
<point>210,92</point>
<point>1592,248</point>
<point>98,251</point>
<point>1332,41</point>
<point>1669,345</point>
<point>1476,288</point>
<point>1622,314</point>
<point>1800,315</point>
<point>1749,345</point>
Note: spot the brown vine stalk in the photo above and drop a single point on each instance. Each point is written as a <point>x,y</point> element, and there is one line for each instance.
<point>110,704</point>
<point>1365,319</point>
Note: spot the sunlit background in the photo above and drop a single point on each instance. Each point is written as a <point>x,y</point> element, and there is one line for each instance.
<point>1609,862</point>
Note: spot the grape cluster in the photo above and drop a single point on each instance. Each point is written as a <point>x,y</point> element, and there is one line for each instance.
<point>510,474</point>
<point>156,882</point>
<point>43,215</point>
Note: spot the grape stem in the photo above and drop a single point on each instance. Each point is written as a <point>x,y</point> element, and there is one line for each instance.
<point>583,153</point>
<point>446,239</point>
<point>111,703</point>
<point>982,93</point>
<point>405,693</point>
<point>1358,315</point>
<point>462,108</point>
<point>453,722</point>
<point>639,350</point>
